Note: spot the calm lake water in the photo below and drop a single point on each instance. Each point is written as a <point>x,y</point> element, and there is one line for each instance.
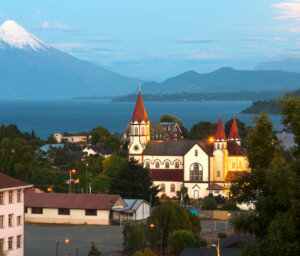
<point>49,116</point>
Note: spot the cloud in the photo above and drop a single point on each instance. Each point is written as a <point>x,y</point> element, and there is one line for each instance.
<point>103,39</point>
<point>264,39</point>
<point>2,16</point>
<point>197,55</point>
<point>195,40</point>
<point>288,10</point>
<point>36,14</point>
<point>55,26</point>
<point>295,30</point>
<point>72,47</point>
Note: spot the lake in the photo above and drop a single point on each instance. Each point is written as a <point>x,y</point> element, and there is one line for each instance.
<point>49,116</point>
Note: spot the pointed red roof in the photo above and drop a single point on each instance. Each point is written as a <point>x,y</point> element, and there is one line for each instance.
<point>139,113</point>
<point>220,134</point>
<point>234,132</point>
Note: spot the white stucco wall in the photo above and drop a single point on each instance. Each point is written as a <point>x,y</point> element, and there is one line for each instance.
<point>162,161</point>
<point>143,212</point>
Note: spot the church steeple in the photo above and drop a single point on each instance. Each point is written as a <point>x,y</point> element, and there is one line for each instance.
<point>220,134</point>
<point>234,132</point>
<point>139,113</point>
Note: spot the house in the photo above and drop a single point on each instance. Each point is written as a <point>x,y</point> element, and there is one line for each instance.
<point>136,209</point>
<point>100,149</point>
<point>79,137</point>
<point>203,167</point>
<point>287,138</point>
<point>46,148</point>
<point>12,215</point>
<point>94,209</point>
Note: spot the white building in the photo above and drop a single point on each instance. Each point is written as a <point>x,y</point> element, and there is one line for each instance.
<point>80,137</point>
<point>202,166</point>
<point>12,215</point>
<point>100,149</point>
<point>94,209</point>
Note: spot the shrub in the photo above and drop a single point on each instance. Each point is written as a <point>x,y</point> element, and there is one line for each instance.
<point>199,241</point>
<point>133,238</point>
<point>230,205</point>
<point>222,235</point>
<point>93,251</point>
<point>209,203</point>
<point>180,239</point>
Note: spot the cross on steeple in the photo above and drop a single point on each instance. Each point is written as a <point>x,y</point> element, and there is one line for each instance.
<point>140,85</point>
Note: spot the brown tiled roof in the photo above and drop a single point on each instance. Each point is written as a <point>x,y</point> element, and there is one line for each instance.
<point>10,182</point>
<point>231,175</point>
<point>214,186</point>
<point>234,132</point>
<point>139,113</point>
<point>71,201</point>
<point>220,134</point>
<point>234,149</point>
<point>175,148</point>
<point>166,174</point>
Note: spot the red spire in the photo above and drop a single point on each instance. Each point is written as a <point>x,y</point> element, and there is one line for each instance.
<point>220,134</point>
<point>139,113</point>
<point>234,132</point>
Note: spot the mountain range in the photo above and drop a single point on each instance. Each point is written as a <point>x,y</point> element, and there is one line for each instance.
<point>287,64</point>
<point>29,68</point>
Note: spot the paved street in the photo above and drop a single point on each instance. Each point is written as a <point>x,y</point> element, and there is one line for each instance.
<point>41,239</point>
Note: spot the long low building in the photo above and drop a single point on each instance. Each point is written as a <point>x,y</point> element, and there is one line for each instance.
<point>96,209</point>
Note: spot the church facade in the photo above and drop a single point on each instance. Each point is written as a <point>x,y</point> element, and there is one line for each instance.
<point>202,166</point>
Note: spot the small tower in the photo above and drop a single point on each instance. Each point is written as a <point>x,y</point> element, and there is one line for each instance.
<point>220,137</point>
<point>139,130</point>
<point>234,133</point>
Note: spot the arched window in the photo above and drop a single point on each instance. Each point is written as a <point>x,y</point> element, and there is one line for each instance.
<point>218,173</point>
<point>147,165</point>
<point>136,131</point>
<point>143,130</point>
<point>162,187</point>
<point>157,165</point>
<point>196,152</point>
<point>167,165</point>
<point>196,173</point>
<point>176,165</point>
<point>172,188</point>
<point>222,146</point>
<point>218,146</point>
<point>240,165</point>
<point>233,165</point>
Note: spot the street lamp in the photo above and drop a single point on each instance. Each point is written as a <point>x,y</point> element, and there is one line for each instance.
<point>217,247</point>
<point>152,226</point>
<point>86,166</point>
<point>73,171</point>
<point>66,241</point>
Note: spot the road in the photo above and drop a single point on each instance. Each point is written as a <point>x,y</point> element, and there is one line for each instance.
<point>41,239</point>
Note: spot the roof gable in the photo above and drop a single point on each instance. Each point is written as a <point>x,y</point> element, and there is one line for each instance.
<point>10,182</point>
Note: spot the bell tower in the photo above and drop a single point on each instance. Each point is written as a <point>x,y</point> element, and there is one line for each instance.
<point>139,130</point>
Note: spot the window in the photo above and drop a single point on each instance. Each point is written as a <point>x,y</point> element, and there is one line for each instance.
<point>233,165</point>
<point>90,212</point>
<point>147,165</point>
<point>10,197</point>
<point>19,195</point>
<point>218,173</point>
<point>218,146</point>
<point>222,146</point>
<point>63,211</point>
<point>195,173</point>
<point>240,165</point>
<point>36,210</point>
<point>176,165</point>
<point>157,165</point>
<point>10,220</point>
<point>172,189</point>
<point>1,198</point>
<point>10,243</point>
<point>19,220</point>
<point>167,165</point>
<point>26,209</point>
<point>162,187</point>
<point>1,245</point>
<point>136,131</point>
<point>19,241</point>
<point>143,130</point>
<point>196,152</point>
<point>2,221</point>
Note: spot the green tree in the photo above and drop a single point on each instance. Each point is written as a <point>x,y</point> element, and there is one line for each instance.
<point>203,130</point>
<point>179,239</point>
<point>102,135</point>
<point>133,238</point>
<point>113,164</point>
<point>209,203</point>
<point>171,118</point>
<point>94,250</point>
<point>147,252</point>
<point>133,181</point>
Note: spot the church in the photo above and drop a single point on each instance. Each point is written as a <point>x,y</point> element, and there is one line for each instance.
<point>203,167</point>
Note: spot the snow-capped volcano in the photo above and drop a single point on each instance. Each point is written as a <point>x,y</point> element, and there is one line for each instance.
<point>15,36</point>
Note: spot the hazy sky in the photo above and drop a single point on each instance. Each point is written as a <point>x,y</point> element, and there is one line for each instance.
<point>156,39</point>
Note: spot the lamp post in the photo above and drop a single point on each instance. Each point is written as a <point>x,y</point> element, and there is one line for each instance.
<point>217,248</point>
<point>86,166</point>
<point>152,226</point>
<point>73,171</point>
<point>67,240</point>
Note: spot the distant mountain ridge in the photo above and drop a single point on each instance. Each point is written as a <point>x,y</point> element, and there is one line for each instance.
<point>29,68</point>
<point>287,64</point>
<point>225,80</point>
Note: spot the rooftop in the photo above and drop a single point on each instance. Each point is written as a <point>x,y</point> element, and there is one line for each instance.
<point>7,182</point>
<point>166,174</point>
